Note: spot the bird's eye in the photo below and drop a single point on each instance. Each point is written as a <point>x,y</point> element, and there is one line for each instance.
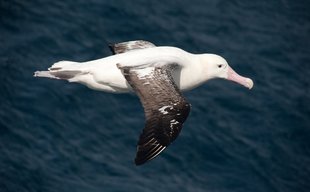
<point>220,65</point>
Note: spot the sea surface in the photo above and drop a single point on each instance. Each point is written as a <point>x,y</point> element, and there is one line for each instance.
<point>57,136</point>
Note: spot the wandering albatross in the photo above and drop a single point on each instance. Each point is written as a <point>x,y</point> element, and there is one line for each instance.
<point>157,74</point>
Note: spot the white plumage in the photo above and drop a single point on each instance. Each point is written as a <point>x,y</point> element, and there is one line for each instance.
<point>104,75</point>
<point>157,75</point>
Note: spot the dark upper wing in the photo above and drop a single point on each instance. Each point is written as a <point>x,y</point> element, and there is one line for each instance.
<point>164,106</point>
<point>129,46</point>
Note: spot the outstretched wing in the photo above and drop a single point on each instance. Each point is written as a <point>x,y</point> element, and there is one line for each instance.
<point>165,108</point>
<point>129,46</point>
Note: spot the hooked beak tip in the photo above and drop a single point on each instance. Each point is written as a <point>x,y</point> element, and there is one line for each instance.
<point>249,83</point>
<point>233,76</point>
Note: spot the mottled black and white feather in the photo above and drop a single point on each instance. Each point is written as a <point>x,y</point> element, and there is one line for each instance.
<point>129,46</point>
<point>165,108</point>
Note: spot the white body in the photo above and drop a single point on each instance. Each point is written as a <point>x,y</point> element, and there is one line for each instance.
<point>103,74</point>
<point>154,86</point>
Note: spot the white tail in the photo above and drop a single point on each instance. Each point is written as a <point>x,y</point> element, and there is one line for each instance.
<point>60,70</point>
<point>44,74</point>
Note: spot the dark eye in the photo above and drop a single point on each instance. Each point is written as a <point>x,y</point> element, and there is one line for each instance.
<point>220,65</point>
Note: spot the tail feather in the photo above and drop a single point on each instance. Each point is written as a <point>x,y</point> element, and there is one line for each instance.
<point>44,74</point>
<point>61,70</point>
<point>57,74</point>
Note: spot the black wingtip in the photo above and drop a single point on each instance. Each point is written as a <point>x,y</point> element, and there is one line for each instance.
<point>147,153</point>
<point>140,159</point>
<point>138,163</point>
<point>112,48</point>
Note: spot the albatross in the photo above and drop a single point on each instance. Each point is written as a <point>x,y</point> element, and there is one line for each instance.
<point>158,75</point>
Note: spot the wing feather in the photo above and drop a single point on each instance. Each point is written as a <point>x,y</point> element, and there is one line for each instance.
<point>165,108</point>
<point>130,46</point>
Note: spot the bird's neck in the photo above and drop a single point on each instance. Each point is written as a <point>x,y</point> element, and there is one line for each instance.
<point>192,75</point>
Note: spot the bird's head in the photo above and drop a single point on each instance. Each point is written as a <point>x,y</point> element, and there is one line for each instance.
<point>217,67</point>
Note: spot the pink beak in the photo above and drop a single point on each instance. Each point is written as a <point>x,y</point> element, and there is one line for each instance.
<point>233,76</point>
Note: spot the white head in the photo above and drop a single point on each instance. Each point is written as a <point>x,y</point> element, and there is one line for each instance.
<point>216,66</point>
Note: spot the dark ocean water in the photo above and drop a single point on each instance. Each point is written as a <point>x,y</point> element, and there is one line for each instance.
<point>56,136</point>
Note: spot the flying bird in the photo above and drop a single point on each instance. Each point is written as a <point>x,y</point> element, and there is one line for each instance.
<point>157,74</point>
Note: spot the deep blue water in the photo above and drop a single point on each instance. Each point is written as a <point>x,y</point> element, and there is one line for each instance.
<point>56,136</point>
